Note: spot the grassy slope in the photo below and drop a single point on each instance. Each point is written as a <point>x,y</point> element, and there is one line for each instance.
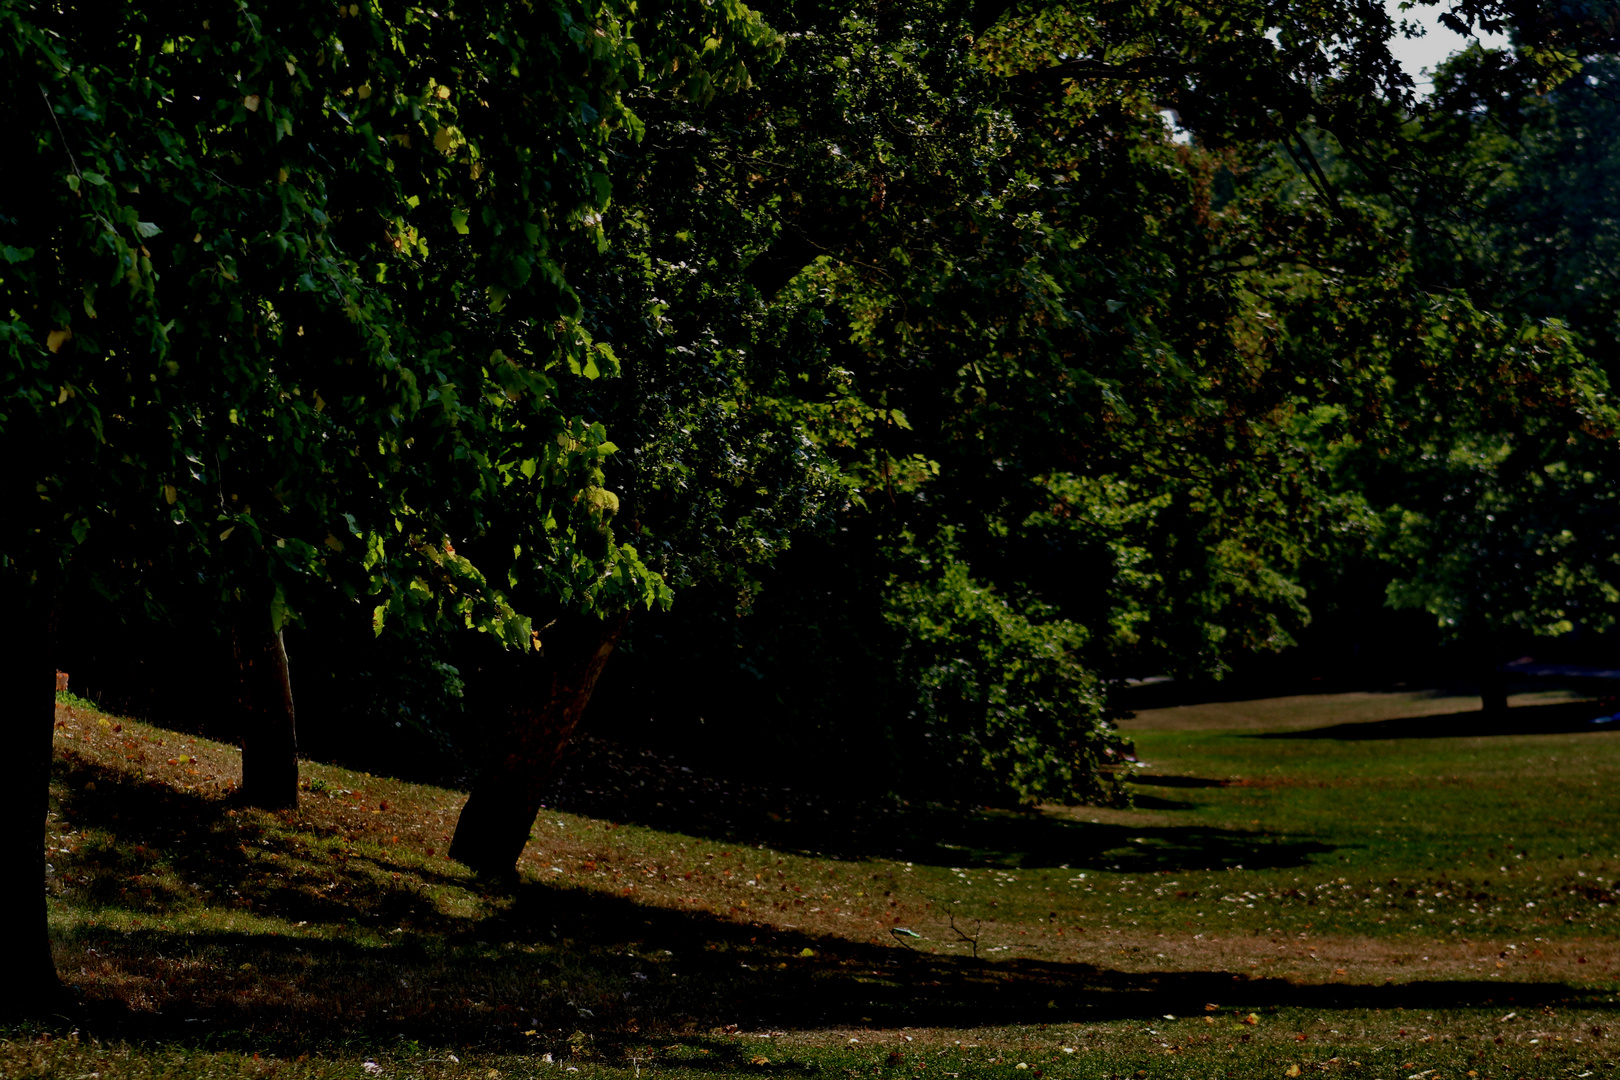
<point>1366,884</point>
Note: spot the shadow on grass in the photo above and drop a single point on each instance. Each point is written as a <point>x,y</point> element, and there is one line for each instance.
<point>1178,781</point>
<point>553,970</point>
<point>169,849</point>
<point>1555,719</point>
<point>150,849</point>
<point>605,781</point>
<point>566,972</point>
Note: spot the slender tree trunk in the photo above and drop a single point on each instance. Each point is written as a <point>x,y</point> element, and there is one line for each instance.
<point>269,730</point>
<point>1493,690</point>
<point>539,702</point>
<point>28,982</point>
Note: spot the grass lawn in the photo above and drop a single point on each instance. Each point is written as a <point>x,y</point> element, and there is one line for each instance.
<point>1367,885</point>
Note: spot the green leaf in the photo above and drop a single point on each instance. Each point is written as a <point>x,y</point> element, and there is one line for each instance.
<point>146,230</point>
<point>458,218</point>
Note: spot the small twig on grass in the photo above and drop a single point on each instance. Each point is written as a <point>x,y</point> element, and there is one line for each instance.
<point>978,926</point>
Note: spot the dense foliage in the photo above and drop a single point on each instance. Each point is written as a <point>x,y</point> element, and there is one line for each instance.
<point>288,308</point>
<point>947,384</point>
<point>1496,500</point>
<point>1097,390</point>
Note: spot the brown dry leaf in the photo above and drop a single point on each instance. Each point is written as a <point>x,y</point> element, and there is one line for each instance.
<point>251,103</point>
<point>57,338</point>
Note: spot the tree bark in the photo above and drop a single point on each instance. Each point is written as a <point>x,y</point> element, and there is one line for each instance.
<point>268,726</point>
<point>28,982</point>
<point>1493,690</point>
<point>539,702</point>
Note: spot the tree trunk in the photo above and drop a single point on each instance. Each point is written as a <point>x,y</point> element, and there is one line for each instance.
<point>1493,690</point>
<point>539,702</point>
<point>269,730</point>
<point>28,985</point>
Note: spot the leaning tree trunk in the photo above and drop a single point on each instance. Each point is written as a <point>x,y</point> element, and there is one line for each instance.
<point>28,982</point>
<point>265,700</point>
<point>538,704</point>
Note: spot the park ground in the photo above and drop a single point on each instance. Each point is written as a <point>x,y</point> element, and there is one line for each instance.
<point>1371,885</point>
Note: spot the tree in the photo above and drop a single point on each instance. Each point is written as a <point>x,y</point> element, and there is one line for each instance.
<point>1481,472</point>
<point>1500,520</point>
<point>1091,386</point>
<point>1038,343</point>
<point>288,313</point>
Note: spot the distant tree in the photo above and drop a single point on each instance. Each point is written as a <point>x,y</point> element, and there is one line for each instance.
<point>1035,334</point>
<point>1092,388</point>
<point>1498,507</point>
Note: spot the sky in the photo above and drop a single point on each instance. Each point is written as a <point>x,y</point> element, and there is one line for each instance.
<point>1414,54</point>
<point>1434,46</point>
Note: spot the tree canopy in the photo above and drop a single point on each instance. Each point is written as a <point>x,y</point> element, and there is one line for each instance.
<point>987,354</point>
